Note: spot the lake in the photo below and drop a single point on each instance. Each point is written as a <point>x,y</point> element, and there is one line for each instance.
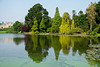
<point>18,50</point>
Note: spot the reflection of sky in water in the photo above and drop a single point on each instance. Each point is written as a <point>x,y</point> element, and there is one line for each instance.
<point>43,51</point>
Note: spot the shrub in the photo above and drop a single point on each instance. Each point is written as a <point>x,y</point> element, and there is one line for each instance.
<point>93,33</point>
<point>24,28</point>
<point>76,30</point>
<point>88,32</point>
<point>37,32</point>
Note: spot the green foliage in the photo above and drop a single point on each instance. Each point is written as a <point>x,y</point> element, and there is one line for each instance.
<point>91,13</point>
<point>42,25</point>
<point>93,33</point>
<point>39,12</point>
<point>35,26</point>
<point>80,12</point>
<point>82,22</point>
<point>65,26</point>
<point>98,12</point>
<point>56,21</point>
<point>48,30</point>
<point>76,30</point>
<point>17,25</point>
<point>72,25</point>
<point>97,29</point>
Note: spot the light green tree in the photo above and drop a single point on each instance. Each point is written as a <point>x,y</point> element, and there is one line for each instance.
<point>35,26</point>
<point>42,25</point>
<point>65,26</point>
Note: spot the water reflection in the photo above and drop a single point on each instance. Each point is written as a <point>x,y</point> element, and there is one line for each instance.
<point>38,46</point>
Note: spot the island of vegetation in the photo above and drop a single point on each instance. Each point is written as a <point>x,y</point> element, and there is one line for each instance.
<point>37,21</point>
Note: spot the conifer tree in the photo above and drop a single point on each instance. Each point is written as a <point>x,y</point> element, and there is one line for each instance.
<point>42,25</point>
<point>56,21</point>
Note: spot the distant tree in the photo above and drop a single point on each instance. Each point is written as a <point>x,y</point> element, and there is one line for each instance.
<point>83,22</point>
<point>74,13</point>
<point>80,12</point>
<point>91,14</point>
<point>65,25</point>
<point>98,12</point>
<point>17,25</point>
<point>24,28</point>
<point>39,12</point>
<point>42,25</point>
<point>56,21</point>
<point>35,26</point>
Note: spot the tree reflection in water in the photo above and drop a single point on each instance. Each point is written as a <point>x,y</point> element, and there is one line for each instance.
<point>38,46</point>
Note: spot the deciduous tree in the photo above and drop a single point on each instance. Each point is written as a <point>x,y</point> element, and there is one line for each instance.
<point>91,13</point>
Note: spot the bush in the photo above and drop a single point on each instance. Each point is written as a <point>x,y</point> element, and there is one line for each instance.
<point>88,32</point>
<point>24,28</point>
<point>76,30</point>
<point>93,33</point>
<point>37,32</point>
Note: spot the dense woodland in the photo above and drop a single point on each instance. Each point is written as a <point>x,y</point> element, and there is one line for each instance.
<point>38,21</point>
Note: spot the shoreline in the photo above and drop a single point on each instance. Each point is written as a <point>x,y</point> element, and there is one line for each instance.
<point>56,34</point>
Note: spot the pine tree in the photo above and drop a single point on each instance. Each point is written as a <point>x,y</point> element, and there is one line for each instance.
<point>56,21</point>
<point>35,26</point>
<point>42,26</point>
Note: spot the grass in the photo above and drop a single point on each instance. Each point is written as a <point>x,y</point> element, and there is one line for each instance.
<point>98,34</point>
<point>2,31</point>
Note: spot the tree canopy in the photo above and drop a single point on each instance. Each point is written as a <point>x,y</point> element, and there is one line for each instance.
<point>39,12</point>
<point>17,25</point>
<point>91,14</point>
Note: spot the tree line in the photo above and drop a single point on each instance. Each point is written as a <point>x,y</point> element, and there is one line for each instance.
<point>38,21</point>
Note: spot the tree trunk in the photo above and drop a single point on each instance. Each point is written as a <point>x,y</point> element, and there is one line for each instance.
<point>91,26</point>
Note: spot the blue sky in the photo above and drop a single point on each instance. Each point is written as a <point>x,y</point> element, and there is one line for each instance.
<point>16,10</point>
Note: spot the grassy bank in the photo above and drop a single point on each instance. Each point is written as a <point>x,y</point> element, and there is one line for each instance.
<point>2,31</point>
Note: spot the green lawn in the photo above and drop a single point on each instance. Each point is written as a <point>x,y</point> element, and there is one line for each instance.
<point>2,31</point>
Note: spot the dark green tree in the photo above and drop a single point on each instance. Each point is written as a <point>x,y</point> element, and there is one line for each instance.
<point>42,25</point>
<point>80,12</point>
<point>98,13</point>
<point>56,21</point>
<point>74,13</point>
<point>17,25</point>
<point>36,11</point>
<point>83,22</point>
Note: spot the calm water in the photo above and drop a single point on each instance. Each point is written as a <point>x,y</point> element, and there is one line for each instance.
<point>46,51</point>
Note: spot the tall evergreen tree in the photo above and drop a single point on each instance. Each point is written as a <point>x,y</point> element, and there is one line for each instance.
<point>91,13</point>
<point>56,21</point>
<point>42,25</point>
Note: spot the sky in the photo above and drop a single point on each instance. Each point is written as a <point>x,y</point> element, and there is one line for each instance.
<point>16,10</point>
